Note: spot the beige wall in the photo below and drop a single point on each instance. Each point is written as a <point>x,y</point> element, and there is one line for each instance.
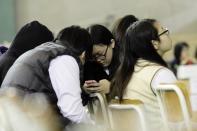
<point>178,15</point>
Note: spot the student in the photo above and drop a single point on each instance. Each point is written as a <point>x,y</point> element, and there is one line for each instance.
<point>195,54</point>
<point>28,37</point>
<point>54,68</point>
<point>181,56</point>
<point>143,68</point>
<point>118,31</point>
<point>98,69</point>
<point>101,36</point>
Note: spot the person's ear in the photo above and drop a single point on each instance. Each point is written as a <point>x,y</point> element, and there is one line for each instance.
<point>113,43</point>
<point>155,44</point>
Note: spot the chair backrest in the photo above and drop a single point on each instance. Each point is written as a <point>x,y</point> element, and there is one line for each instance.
<point>127,115</point>
<point>186,71</point>
<point>189,72</point>
<point>98,108</point>
<point>174,101</point>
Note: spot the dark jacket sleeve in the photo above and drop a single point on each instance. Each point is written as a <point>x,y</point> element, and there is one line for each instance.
<point>94,71</point>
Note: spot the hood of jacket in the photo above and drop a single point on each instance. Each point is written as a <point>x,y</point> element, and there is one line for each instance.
<point>28,37</point>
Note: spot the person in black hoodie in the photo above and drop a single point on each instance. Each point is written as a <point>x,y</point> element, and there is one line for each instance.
<point>101,61</point>
<point>28,37</point>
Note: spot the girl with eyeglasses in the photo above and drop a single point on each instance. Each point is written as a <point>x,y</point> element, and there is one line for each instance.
<point>143,68</point>
<point>100,60</point>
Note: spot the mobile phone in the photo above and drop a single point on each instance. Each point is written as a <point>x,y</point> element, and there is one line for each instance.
<point>92,83</point>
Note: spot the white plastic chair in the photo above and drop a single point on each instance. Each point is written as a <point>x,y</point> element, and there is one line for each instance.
<point>187,71</point>
<point>131,105</point>
<point>103,103</point>
<point>183,99</point>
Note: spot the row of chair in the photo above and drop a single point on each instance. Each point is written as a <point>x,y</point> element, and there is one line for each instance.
<point>174,103</point>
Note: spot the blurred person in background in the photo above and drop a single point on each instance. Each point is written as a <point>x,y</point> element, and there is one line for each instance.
<point>195,55</point>
<point>3,49</point>
<point>26,112</point>
<point>181,56</point>
<point>28,37</point>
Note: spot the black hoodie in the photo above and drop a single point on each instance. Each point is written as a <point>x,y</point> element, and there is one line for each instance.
<point>28,37</point>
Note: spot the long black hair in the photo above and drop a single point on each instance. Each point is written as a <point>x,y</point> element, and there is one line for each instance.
<point>122,25</point>
<point>119,31</point>
<point>138,44</point>
<point>178,50</point>
<point>100,34</point>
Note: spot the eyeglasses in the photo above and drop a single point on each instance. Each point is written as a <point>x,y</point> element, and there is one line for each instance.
<point>101,56</point>
<point>164,32</point>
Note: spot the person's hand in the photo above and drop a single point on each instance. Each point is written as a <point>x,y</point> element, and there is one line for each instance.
<point>104,86</point>
<point>91,86</point>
